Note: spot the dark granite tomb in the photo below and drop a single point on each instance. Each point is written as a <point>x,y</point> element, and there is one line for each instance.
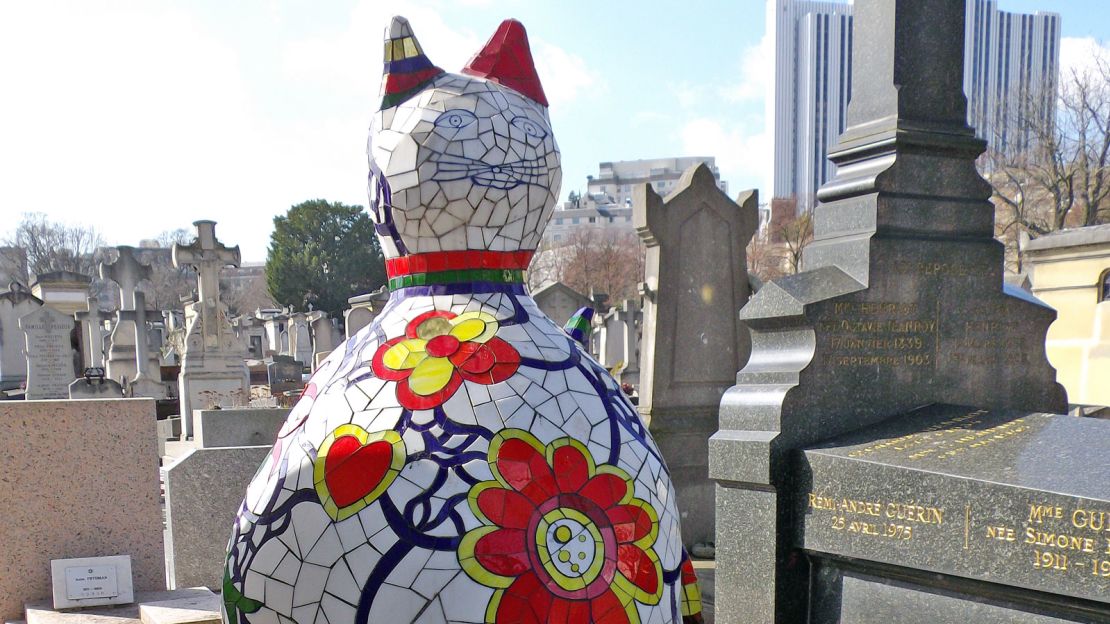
<point>900,314</point>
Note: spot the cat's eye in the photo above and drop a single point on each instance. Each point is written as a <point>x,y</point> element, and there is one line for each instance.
<point>529,127</point>
<point>455,118</point>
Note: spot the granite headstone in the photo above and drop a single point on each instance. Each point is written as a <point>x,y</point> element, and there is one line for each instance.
<point>899,315</point>
<point>693,343</point>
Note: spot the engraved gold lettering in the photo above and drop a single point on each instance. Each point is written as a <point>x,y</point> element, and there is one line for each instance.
<point>1040,513</point>
<point>1002,533</point>
<point>1062,541</point>
<point>1092,520</point>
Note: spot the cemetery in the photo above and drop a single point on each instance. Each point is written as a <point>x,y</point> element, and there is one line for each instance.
<point>902,429</point>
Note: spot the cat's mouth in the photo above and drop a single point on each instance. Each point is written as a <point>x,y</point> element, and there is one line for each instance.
<point>502,176</point>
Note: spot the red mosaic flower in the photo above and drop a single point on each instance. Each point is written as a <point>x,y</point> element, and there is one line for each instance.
<point>438,351</point>
<point>563,540</point>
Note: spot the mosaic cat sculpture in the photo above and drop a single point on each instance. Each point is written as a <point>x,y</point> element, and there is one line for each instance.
<point>462,459</point>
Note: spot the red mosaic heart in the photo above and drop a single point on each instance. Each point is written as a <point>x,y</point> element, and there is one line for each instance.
<point>352,470</point>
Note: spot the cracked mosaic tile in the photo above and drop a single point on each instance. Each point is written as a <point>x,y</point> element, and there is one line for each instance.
<point>461,460</point>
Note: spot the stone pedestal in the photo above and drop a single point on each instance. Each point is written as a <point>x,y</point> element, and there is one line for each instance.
<point>696,281</point>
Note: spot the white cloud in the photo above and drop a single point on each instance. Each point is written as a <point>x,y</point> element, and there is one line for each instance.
<point>757,73</point>
<point>743,150</point>
<point>565,76</point>
<point>138,117</point>
<point>1079,54</point>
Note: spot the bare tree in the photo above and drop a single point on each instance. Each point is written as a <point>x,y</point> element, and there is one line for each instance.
<point>246,295</point>
<point>765,258</point>
<point>795,234</point>
<point>53,246</point>
<point>593,259</point>
<point>1059,173</point>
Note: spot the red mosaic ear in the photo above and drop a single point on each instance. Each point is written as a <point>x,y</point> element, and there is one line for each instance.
<point>507,60</point>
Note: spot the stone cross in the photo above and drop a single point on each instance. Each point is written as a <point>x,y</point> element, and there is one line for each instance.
<point>629,314</point>
<point>92,334</point>
<point>126,271</point>
<point>138,317</point>
<point>206,255</point>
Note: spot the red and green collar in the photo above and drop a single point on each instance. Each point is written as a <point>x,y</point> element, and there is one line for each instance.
<point>457,267</point>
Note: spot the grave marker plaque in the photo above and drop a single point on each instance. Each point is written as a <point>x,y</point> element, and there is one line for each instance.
<point>91,581</point>
<point>49,353</point>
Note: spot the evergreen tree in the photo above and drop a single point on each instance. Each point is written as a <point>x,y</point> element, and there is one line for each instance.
<point>322,253</point>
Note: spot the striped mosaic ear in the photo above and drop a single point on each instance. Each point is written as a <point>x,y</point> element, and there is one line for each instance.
<point>580,324</point>
<point>406,69</point>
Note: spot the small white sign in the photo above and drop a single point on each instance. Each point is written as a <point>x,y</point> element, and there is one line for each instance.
<point>92,581</point>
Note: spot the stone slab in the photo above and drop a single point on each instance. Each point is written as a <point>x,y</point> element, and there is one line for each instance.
<point>237,427</point>
<point>203,608</point>
<point>80,480</point>
<point>203,491</point>
<point>1011,498</point>
<point>43,613</point>
<point>877,599</point>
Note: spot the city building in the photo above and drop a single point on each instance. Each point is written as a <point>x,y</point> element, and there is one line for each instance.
<point>607,202</point>
<point>1010,76</point>
<point>1070,271</point>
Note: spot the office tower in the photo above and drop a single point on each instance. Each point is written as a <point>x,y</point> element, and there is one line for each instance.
<point>1010,78</point>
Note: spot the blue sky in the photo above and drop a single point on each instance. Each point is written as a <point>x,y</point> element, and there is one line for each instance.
<point>143,116</point>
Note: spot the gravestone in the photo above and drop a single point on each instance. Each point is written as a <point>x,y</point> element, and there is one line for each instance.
<point>364,309</point>
<point>324,336</point>
<point>203,491</point>
<point>631,317</point>
<point>284,374</point>
<point>16,302</point>
<point>213,371</point>
<point>695,282</point>
<point>237,427</point>
<point>126,271</point>
<point>92,333</point>
<point>559,302</point>
<point>49,353</point>
<point>852,488</point>
<point>611,336</point>
<point>147,381</point>
<point>300,338</point>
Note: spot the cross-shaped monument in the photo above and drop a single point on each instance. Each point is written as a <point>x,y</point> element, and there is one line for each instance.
<point>94,383</point>
<point>213,371</point>
<point>92,334</point>
<point>126,271</point>
<point>145,383</point>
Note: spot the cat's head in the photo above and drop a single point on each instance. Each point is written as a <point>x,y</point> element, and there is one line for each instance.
<point>461,161</point>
